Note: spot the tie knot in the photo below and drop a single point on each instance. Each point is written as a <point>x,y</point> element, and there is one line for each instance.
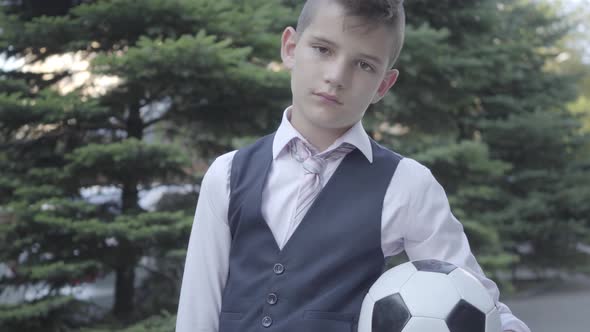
<point>300,150</point>
<point>312,161</point>
<point>314,165</point>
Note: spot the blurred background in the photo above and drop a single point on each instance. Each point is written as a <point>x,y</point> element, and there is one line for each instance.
<point>112,110</point>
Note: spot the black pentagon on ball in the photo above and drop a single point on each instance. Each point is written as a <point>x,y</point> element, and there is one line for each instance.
<point>433,265</point>
<point>390,314</point>
<point>466,318</point>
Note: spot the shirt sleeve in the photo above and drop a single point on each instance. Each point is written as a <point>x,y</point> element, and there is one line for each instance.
<point>207,259</point>
<point>431,231</point>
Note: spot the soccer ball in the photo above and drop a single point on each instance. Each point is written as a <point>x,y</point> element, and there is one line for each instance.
<point>428,295</point>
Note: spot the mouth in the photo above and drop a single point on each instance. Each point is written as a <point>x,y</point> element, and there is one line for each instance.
<point>328,98</point>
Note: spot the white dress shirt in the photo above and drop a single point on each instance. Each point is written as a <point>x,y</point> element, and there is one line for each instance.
<point>416,218</point>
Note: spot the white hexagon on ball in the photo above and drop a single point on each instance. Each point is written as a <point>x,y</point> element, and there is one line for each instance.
<point>430,285</point>
<point>425,324</point>
<point>470,289</point>
<point>392,280</point>
<point>366,315</point>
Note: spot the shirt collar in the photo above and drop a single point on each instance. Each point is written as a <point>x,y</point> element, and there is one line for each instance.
<point>356,136</point>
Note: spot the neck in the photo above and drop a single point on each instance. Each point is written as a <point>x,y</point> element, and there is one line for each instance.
<point>320,137</point>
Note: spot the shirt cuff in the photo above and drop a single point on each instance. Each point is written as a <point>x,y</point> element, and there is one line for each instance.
<point>510,322</point>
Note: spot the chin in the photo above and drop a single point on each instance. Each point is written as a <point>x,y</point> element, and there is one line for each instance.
<point>333,123</point>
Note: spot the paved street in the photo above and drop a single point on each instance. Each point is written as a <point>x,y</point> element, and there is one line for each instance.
<point>559,309</point>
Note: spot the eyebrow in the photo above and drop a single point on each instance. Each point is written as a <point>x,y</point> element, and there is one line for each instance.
<point>331,43</point>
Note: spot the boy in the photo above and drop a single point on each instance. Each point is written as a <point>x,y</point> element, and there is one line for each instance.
<point>291,231</point>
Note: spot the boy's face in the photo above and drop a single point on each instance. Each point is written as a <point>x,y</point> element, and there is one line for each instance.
<point>338,68</point>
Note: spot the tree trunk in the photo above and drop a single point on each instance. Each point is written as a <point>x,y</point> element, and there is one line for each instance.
<point>125,271</point>
<point>124,305</point>
<point>124,292</point>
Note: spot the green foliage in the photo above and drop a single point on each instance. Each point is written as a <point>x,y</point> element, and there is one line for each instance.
<point>153,229</point>
<point>17,110</point>
<point>36,193</point>
<point>489,117</point>
<point>36,316</point>
<point>188,68</point>
<point>123,161</point>
<point>56,272</point>
<point>466,160</point>
<point>160,323</point>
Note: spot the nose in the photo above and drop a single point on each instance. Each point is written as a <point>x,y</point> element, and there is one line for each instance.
<point>336,74</point>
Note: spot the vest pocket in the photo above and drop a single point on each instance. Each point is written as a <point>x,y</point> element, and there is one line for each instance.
<point>323,321</point>
<point>230,321</point>
<point>224,315</point>
<point>325,315</point>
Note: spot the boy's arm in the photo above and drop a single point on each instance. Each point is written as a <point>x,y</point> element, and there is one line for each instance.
<point>207,258</point>
<point>430,230</point>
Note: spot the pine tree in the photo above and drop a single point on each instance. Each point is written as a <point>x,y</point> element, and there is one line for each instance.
<point>196,68</point>
<point>476,103</point>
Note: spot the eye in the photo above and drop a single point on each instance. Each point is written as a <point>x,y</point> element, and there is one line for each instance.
<point>321,50</point>
<point>366,67</point>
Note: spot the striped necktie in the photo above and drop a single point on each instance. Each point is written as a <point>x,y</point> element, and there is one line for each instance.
<point>313,165</point>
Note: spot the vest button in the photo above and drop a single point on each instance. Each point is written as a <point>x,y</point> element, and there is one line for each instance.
<point>266,321</point>
<point>279,268</point>
<point>272,298</point>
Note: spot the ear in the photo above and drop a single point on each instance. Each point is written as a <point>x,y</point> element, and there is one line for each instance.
<point>288,43</point>
<point>387,82</point>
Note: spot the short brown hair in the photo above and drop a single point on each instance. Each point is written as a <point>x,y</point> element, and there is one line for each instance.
<point>375,12</point>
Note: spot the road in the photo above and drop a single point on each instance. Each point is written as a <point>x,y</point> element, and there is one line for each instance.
<point>563,308</point>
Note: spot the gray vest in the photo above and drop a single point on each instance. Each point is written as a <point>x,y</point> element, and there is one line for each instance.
<point>317,282</point>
